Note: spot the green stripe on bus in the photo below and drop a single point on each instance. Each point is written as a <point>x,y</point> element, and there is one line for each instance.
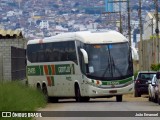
<point>49,70</point>
<point>33,70</point>
<point>41,69</point>
<point>65,69</point>
<point>117,82</point>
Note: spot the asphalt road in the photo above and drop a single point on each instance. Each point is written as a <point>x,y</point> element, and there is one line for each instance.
<point>103,107</point>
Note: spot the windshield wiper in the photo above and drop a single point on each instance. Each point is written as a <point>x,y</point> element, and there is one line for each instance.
<point>114,67</point>
<point>108,67</point>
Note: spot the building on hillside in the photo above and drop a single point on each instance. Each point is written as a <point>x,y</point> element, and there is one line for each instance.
<point>12,55</point>
<point>149,25</point>
<point>44,24</point>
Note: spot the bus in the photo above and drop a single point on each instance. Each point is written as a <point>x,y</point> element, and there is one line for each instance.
<point>81,65</point>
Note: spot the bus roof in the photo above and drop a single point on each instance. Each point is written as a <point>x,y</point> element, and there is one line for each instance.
<point>90,37</point>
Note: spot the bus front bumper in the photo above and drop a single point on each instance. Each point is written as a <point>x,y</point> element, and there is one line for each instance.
<point>95,91</point>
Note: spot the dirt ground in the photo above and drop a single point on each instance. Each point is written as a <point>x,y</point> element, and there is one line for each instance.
<point>130,97</point>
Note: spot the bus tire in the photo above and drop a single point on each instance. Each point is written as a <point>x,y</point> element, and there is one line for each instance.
<point>86,99</point>
<point>158,100</point>
<point>39,87</point>
<point>53,99</point>
<point>119,98</point>
<point>155,100</point>
<point>149,99</point>
<point>136,94</point>
<point>78,94</point>
<point>45,93</point>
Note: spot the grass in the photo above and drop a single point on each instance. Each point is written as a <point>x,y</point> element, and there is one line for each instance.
<point>15,96</point>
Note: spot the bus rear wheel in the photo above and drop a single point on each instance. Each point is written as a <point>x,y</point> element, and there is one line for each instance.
<point>47,98</point>
<point>38,87</point>
<point>119,98</point>
<point>45,93</point>
<point>53,99</point>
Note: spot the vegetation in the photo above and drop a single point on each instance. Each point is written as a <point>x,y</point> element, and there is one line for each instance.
<point>155,67</point>
<point>135,74</point>
<point>15,96</point>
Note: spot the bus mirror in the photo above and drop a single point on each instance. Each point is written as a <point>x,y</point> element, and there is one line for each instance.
<point>158,75</point>
<point>134,54</point>
<point>85,55</point>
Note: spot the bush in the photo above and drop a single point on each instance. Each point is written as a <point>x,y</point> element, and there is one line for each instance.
<point>155,67</point>
<point>17,97</point>
<point>135,74</point>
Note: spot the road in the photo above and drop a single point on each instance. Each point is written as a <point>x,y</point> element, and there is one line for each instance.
<point>129,103</point>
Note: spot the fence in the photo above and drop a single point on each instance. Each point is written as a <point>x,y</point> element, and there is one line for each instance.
<point>18,63</point>
<point>149,53</point>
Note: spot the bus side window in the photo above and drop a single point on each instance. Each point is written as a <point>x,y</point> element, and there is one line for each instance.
<point>41,56</point>
<point>72,52</point>
<point>32,52</point>
<point>64,56</point>
<point>40,53</point>
<point>55,55</point>
<point>48,55</point>
<point>33,57</point>
<point>48,52</point>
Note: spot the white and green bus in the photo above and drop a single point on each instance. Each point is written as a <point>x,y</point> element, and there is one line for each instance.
<point>81,65</point>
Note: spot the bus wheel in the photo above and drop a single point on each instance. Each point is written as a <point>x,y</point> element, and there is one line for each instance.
<point>53,99</point>
<point>136,94</point>
<point>78,94</point>
<point>158,100</point>
<point>38,87</point>
<point>45,92</point>
<point>119,98</point>
<point>155,99</point>
<point>86,99</point>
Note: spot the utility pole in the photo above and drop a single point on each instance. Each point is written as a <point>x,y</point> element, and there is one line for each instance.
<point>153,49</point>
<point>128,9</point>
<point>120,15</point>
<point>157,29</point>
<point>129,24</point>
<point>141,41</point>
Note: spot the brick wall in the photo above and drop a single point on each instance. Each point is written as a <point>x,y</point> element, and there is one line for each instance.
<point>5,55</point>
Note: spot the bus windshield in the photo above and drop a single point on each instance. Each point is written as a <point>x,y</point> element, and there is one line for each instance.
<point>109,61</point>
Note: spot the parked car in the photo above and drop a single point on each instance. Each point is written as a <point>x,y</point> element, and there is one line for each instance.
<point>153,89</point>
<point>158,78</point>
<point>141,82</point>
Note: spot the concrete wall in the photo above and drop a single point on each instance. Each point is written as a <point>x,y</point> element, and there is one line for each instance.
<point>150,53</point>
<point>5,57</point>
